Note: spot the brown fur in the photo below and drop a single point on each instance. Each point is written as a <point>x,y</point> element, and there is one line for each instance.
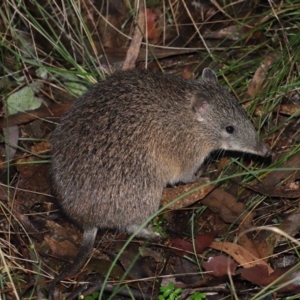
<point>130,135</point>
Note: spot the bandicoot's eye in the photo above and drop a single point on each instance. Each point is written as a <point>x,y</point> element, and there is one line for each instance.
<point>229,129</point>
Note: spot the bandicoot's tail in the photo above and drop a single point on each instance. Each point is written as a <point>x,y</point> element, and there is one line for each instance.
<point>85,250</point>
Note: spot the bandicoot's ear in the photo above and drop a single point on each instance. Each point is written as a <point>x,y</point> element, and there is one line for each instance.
<point>200,106</point>
<point>209,74</point>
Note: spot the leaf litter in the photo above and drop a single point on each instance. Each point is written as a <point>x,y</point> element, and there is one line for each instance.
<point>29,214</point>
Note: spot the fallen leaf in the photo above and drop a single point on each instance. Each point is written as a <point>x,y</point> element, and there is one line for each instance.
<point>260,74</point>
<point>259,275</point>
<point>245,258</point>
<point>64,249</point>
<point>102,267</point>
<point>284,109</point>
<point>41,147</point>
<point>53,111</point>
<point>281,191</point>
<point>261,249</point>
<point>220,265</point>
<point>204,240</point>
<point>274,178</point>
<point>136,267</point>
<point>172,193</point>
<point>11,135</point>
<point>228,208</point>
<point>24,99</point>
<point>232,32</point>
<point>181,247</point>
<point>291,223</point>
<point>288,109</point>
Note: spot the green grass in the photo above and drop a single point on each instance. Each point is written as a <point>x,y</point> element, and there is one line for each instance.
<point>63,43</point>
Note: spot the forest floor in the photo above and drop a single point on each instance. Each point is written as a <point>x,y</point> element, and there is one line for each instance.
<point>235,238</point>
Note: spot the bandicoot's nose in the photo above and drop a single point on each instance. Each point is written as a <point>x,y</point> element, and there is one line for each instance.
<point>264,150</point>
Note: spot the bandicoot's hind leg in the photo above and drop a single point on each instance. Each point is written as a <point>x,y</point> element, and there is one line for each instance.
<point>145,233</point>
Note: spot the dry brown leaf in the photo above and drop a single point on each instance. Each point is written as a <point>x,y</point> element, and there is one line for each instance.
<point>260,275</point>
<point>282,191</point>
<point>261,248</point>
<point>139,269</point>
<point>220,265</point>
<point>202,241</point>
<point>269,185</point>
<point>53,111</point>
<point>291,223</point>
<point>255,84</point>
<point>284,109</point>
<point>248,243</point>
<point>170,194</point>
<point>40,148</point>
<point>63,249</point>
<point>289,109</point>
<point>245,258</point>
<point>228,208</point>
<point>232,32</point>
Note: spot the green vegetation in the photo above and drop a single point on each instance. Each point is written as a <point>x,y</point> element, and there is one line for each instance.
<point>53,51</point>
